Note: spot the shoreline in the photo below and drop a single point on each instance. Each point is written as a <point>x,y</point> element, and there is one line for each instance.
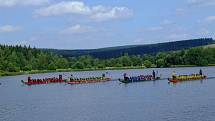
<point>4,74</point>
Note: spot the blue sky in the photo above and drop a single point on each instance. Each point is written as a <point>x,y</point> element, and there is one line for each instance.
<point>85,24</point>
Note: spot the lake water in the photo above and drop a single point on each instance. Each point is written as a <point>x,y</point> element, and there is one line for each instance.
<point>110,101</point>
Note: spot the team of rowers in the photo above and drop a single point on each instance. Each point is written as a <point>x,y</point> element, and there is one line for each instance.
<point>153,76</point>
<point>175,77</point>
<point>103,77</point>
<point>60,79</point>
<point>141,77</point>
<point>44,81</point>
<point>188,77</point>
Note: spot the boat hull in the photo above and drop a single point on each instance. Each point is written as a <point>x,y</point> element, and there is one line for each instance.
<point>138,80</point>
<point>88,81</point>
<point>191,79</point>
<point>43,82</point>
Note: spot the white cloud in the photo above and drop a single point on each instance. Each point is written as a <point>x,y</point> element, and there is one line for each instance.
<point>97,13</point>
<point>154,29</point>
<point>102,13</point>
<point>210,19</point>
<point>180,11</point>
<point>64,8</point>
<point>78,29</point>
<point>8,29</point>
<point>10,3</point>
<point>205,32</point>
<point>139,40</point>
<point>166,22</point>
<point>201,2</point>
<point>177,36</point>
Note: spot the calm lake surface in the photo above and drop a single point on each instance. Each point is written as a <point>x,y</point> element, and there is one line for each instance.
<point>110,101</point>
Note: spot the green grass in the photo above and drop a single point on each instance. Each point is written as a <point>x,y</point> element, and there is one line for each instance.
<point>210,46</point>
<point>3,73</point>
<point>11,73</point>
<point>175,66</point>
<point>211,64</point>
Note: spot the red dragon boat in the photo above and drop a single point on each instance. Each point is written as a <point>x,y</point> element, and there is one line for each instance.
<point>44,81</point>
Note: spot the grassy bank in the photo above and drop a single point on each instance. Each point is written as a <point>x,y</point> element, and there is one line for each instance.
<point>2,73</point>
<point>179,66</point>
<point>23,72</point>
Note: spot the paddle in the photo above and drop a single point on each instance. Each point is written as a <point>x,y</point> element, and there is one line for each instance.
<point>210,78</point>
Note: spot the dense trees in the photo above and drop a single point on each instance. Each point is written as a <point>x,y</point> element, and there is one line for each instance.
<point>147,63</point>
<point>195,56</point>
<point>17,58</point>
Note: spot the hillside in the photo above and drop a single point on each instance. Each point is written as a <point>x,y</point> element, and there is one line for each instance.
<point>113,52</point>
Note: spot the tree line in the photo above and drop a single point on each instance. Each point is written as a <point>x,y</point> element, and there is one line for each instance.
<point>22,58</point>
<point>198,56</point>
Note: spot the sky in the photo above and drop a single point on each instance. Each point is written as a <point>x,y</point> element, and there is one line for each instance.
<point>88,24</point>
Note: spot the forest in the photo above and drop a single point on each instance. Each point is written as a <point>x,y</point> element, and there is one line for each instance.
<point>22,58</point>
<point>18,58</point>
<point>198,56</point>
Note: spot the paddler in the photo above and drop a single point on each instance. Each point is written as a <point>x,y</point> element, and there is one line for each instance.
<point>103,75</point>
<point>174,75</point>
<point>71,77</point>
<point>200,72</point>
<point>29,79</point>
<point>154,74</point>
<point>125,77</point>
<point>60,77</point>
